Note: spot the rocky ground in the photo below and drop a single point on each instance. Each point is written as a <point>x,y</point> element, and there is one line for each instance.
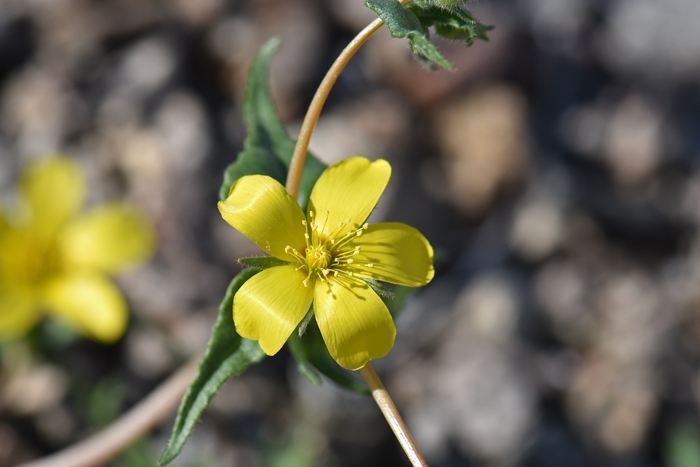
<point>555,173</point>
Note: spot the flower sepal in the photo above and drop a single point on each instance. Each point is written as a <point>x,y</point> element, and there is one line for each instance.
<point>261,262</point>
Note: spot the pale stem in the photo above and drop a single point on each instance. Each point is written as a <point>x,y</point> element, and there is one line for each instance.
<point>296,167</point>
<point>100,448</point>
<point>386,405</point>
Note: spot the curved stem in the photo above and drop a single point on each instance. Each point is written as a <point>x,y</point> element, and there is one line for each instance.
<point>296,167</point>
<point>386,405</point>
<point>142,418</point>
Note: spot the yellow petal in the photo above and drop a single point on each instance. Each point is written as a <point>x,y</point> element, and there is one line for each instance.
<point>262,210</point>
<point>348,189</point>
<point>354,321</point>
<point>270,305</point>
<point>54,188</point>
<point>18,313</point>
<point>398,253</point>
<point>89,303</point>
<point>110,238</point>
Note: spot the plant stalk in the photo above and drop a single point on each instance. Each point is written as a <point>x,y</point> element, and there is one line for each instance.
<point>386,405</point>
<point>296,167</point>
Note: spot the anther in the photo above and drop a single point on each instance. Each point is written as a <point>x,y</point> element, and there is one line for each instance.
<point>306,236</point>
<point>350,261</point>
<point>370,265</point>
<point>303,222</point>
<point>311,214</point>
<point>287,248</point>
<point>365,226</point>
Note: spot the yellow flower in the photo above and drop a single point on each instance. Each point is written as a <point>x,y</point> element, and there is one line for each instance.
<point>330,251</point>
<point>53,260</point>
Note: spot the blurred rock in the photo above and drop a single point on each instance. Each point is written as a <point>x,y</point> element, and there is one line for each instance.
<point>30,390</point>
<point>35,107</point>
<point>537,229</point>
<point>613,405</point>
<point>13,450</point>
<point>554,20</point>
<point>147,66</point>
<point>147,353</point>
<point>561,289</point>
<point>370,127</point>
<point>182,124</point>
<point>654,40</point>
<point>58,425</point>
<point>484,140</point>
<point>472,389</point>
<point>632,144</point>
<point>198,13</point>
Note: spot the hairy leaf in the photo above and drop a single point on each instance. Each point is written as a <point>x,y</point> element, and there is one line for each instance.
<point>227,355</point>
<point>402,22</point>
<point>452,23</point>
<point>268,149</point>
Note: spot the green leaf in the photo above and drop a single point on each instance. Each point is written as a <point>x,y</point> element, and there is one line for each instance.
<point>452,23</point>
<point>402,22</point>
<point>682,446</point>
<point>311,353</point>
<point>261,262</point>
<point>268,149</point>
<point>227,355</point>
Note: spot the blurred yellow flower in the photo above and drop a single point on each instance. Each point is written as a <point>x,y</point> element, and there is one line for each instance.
<point>55,260</point>
<point>329,252</point>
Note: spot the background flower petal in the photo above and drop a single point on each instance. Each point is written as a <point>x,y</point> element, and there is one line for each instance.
<point>110,238</point>
<point>262,210</point>
<point>89,303</point>
<point>54,189</point>
<point>348,189</point>
<point>270,305</point>
<point>354,322</point>
<point>398,253</point>
<point>18,313</point>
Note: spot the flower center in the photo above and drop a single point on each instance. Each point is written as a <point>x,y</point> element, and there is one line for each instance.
<point>318,257</point>
<point>327,253</point>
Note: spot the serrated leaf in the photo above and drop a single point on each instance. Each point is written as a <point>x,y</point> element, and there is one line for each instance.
<point>311,353</point>
<point>268,149</point>
<point>452,23</point>
<point>402,22</point>
<point>262,262</point>
<point>227,355</point>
